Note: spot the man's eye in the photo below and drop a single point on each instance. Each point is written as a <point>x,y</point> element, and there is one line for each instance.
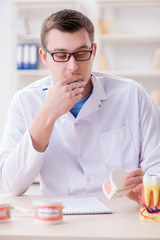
<point>61,55</point>
<point>82,55</point>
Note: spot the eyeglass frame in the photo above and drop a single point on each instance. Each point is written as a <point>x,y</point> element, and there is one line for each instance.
<point>70,54</point>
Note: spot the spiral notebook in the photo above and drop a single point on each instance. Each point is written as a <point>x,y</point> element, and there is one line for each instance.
<point>89,205</point>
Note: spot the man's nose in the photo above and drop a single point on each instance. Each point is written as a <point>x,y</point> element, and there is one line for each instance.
<point>72,64</point>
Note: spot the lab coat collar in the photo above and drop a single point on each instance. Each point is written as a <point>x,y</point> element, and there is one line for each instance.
<point>98,85</point>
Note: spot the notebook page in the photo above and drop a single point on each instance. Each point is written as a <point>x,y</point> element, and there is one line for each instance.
<point>89,205</point>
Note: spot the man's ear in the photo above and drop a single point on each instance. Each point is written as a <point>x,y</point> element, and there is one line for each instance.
<point>94,49</point>
<point>43,56</point>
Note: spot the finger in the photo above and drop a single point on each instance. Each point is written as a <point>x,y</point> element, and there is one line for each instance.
<point>72,78</point>
<point>73,93</point>
<point>136,196</point>
<point>76,84</point>
<point>78,94</point>
<point>138,188</point>
<point>134,173</point>
<point>77,98</point>
<point>77,91</point>
<point>133,180</point>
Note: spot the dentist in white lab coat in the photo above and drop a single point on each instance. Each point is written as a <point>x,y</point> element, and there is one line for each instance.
<point>74,126</point>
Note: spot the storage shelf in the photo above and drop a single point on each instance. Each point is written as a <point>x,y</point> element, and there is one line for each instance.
<point>129,37</point>
<point>148,73</point>
<point>26,19</point>
<point>43,2</point>
<point>39,72</point>
<point>27,37</point>
<point>126,1</point>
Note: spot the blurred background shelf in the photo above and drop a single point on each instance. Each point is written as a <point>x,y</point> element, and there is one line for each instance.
<point>128,37</point>
<point>38,72</point>
<point>27,17</point>
<point>148,73</point>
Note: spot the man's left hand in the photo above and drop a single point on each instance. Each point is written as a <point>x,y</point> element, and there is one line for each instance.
<point>135,177</point>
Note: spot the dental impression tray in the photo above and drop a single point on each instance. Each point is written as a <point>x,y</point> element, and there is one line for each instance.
<point>112,187</point>
<point>151,189</point>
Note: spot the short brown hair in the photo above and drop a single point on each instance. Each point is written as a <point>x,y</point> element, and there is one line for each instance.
<point>66,20</point>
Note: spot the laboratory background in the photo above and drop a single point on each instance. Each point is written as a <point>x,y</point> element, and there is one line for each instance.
<point>127,33</point>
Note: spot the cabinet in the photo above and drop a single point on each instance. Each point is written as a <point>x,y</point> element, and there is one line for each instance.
<point>128,37</point>
<point>27,17</point>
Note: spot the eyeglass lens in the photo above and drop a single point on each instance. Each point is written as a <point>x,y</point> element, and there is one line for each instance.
<point>79,56</point>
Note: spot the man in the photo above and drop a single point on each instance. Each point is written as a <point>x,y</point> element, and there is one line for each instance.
<point>73,127</point>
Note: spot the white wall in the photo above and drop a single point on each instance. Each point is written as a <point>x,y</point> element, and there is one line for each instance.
<point>4,61</point>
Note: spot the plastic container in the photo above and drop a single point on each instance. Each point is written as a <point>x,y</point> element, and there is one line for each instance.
<point>48,211</point>
<point>5,211</point>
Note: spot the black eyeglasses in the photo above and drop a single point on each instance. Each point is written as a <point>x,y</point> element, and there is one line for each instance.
<point>65,56</point>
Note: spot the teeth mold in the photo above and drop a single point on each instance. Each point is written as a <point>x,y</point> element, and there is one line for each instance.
<point>113,186</point>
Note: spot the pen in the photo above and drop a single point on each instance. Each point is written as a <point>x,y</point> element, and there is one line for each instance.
<point>44,89</point>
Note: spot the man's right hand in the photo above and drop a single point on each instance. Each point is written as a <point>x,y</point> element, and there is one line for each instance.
<point>60,99</point>
<point>63,95</point>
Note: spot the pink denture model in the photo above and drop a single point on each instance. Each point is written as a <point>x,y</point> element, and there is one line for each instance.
<point>113,186</point>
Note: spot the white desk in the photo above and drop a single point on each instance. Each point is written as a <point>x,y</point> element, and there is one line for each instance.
<point>123,224</point>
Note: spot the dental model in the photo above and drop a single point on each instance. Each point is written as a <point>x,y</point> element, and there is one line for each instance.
<point>113,186</point>
<point>150,211</point>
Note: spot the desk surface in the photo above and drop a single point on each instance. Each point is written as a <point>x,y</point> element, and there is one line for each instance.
<point>124,223</point>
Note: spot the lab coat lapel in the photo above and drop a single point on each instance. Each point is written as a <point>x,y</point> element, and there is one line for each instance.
<point>94,102</point>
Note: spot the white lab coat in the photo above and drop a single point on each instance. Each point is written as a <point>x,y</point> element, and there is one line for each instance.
<point>118,126</point>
